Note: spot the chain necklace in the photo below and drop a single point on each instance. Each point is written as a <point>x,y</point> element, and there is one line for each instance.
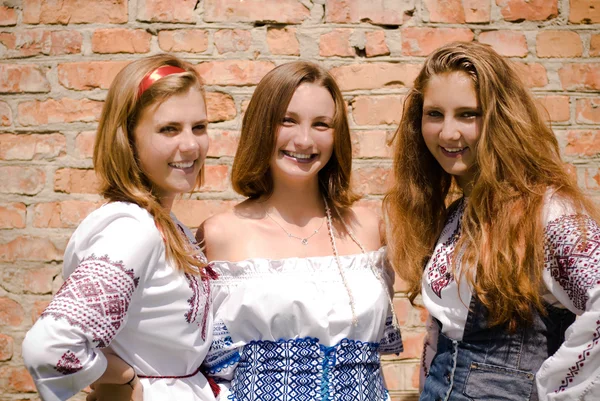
<point>304,241</point>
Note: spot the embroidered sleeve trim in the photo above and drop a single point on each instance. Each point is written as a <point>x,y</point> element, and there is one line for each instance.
<point>68,364</point>
<point>95,298</point>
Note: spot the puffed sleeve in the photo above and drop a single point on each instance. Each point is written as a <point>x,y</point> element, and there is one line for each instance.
<point>572,275</point>
<point>108,258</point>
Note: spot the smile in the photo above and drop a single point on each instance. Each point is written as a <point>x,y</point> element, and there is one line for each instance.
<point>182,165</point>
<point>300,157</point>
<point>453,152</point>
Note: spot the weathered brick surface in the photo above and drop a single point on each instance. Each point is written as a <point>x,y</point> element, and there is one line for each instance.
<point>58,58</point>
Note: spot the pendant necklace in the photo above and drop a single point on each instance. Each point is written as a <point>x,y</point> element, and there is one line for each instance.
<point>304,241</point>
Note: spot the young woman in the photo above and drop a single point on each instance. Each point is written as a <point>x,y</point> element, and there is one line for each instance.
<point>134,276</point>
<point>504,269</point>
<point>302,300</point>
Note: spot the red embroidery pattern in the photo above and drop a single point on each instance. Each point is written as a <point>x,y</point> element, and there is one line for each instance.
<point>574,370</point>
<point>68,364</point>
<point>572,254</point>
<point>439,271</point>
<point>95,298</point>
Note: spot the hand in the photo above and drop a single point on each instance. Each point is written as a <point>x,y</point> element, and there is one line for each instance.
<point>116,392</point>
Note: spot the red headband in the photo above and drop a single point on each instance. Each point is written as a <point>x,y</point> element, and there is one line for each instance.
<point>157,74</point>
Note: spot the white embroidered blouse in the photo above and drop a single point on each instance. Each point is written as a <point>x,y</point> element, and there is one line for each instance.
<point>121,293</point>
<point>286,302</point>
<point>572,281</point>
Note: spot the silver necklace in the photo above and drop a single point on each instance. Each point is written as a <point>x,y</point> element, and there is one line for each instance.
<point>304,241</point>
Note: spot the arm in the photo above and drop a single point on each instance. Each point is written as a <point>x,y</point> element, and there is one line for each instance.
<point>61,349</point>
<point>572,274</point>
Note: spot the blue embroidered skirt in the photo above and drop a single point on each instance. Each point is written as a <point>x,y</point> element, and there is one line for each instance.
<point>303,369</point>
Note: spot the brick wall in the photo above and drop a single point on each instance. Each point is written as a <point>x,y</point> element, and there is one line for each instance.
<point>58,59</point>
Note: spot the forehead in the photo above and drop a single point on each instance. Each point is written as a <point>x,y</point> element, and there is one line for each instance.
<point>312,97</point>
<point>451,88</point>
<point>185,105</point>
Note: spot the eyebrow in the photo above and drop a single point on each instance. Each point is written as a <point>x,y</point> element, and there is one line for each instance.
<point>294,114</point>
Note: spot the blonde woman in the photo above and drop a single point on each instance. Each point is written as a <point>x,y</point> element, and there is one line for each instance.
<point>504,269</point>
<point>135,280</point>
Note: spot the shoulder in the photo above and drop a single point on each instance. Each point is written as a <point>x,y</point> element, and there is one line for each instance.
<point>366,224</point>
<point>556,206</point>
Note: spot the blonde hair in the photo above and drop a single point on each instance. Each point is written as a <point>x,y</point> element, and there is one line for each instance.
<point>250,174</point>
<point>115,159</point>
<point>517,161</point>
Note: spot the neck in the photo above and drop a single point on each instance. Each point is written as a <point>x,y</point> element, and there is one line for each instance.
<point>167,202</point>
<point>296,203</point>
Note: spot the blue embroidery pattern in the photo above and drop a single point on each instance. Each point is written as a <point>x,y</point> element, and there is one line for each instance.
<point>304,370</point>
<point>222,353</point>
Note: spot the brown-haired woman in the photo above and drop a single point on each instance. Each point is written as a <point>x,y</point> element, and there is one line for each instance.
<point>301,299</point>
<point>504,269</point>
<point>134,276</point>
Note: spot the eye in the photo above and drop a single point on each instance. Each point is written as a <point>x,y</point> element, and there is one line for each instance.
<point>199,128</point>
<point>433,113</point>
<point>168,129</point>
<point>470,114</point>
<point>322,125</point>
<point>287,121</point>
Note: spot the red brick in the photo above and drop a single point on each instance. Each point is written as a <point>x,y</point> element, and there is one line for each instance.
<point>376,110</point>
<point>582,143</point>
<point>279,11</point>
<point>120,40</point>
<point>65,214</point>
<point>22,180</point>
<point>580,76</point>
<point>393,376</point>
<point>39,281</point>
<point>16,379</point>
<point>336,43</point>
<point>11,312</point>
<point>193,212</point>
<point>370,144</point>
<point>375,75</point>
<point>183,40</point>
<point>89,75</point>
<point>220,107</point>
<point>400,285</point>
<point>37,41</point>
<point>477,11</point>
<point>232,40</point>
<point>529,10</point>
<point>38,308</point>
<point>448,11</point>
<point>22,78</point>
<point>8,16</point>
<point>533,75</point>
<point>375,44</point>
<point>71,180</point>
<point>420,41</point>
<point>74,12</point>
<point>53,111</point>
<point>372,180</point>
<point>595,46</point>
<point>6,347</point>
<point>223,143</point>
<point>584,11</point>
<point>558,44</point>
<point>591,178</point>
<point>12,215</point>
<point>506,43</point>
<point>84,144</point>
<point>587,110</point>
<point>233,72</point>
<point>167,11</point>
<point>413,345</point>
<point>29,248</point>
<point>32,147</point>
<point>216,178</point>
<point>283,41</point>
<point>375,12</point>
<point>5,115</point>
<point>554,108</point>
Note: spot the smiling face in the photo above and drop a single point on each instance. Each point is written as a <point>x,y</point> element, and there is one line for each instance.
<point>304,142</point>
<point>451,124</point>
<point>171,143</point>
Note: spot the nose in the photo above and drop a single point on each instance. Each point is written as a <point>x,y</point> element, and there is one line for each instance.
<point>188,141</point>
<point>303,137</point>
<point>450,129</point>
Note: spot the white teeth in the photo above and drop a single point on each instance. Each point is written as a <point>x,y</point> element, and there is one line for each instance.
<point>182,164</point>
<point>454,150</point>
<point>299,155</point>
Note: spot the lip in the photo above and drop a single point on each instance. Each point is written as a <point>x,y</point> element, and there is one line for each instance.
<point>186,170</point>
<point>454,154</point>
<point>288,155</point>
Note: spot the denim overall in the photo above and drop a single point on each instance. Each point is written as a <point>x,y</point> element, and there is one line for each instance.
<point>491,363</point>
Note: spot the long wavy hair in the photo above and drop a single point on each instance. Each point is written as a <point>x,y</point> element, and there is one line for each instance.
<point>250,173</point>
<point>517,162</point>
<point>115,159</point>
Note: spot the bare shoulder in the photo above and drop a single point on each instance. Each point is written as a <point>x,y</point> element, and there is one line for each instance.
<point>366,224</point>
